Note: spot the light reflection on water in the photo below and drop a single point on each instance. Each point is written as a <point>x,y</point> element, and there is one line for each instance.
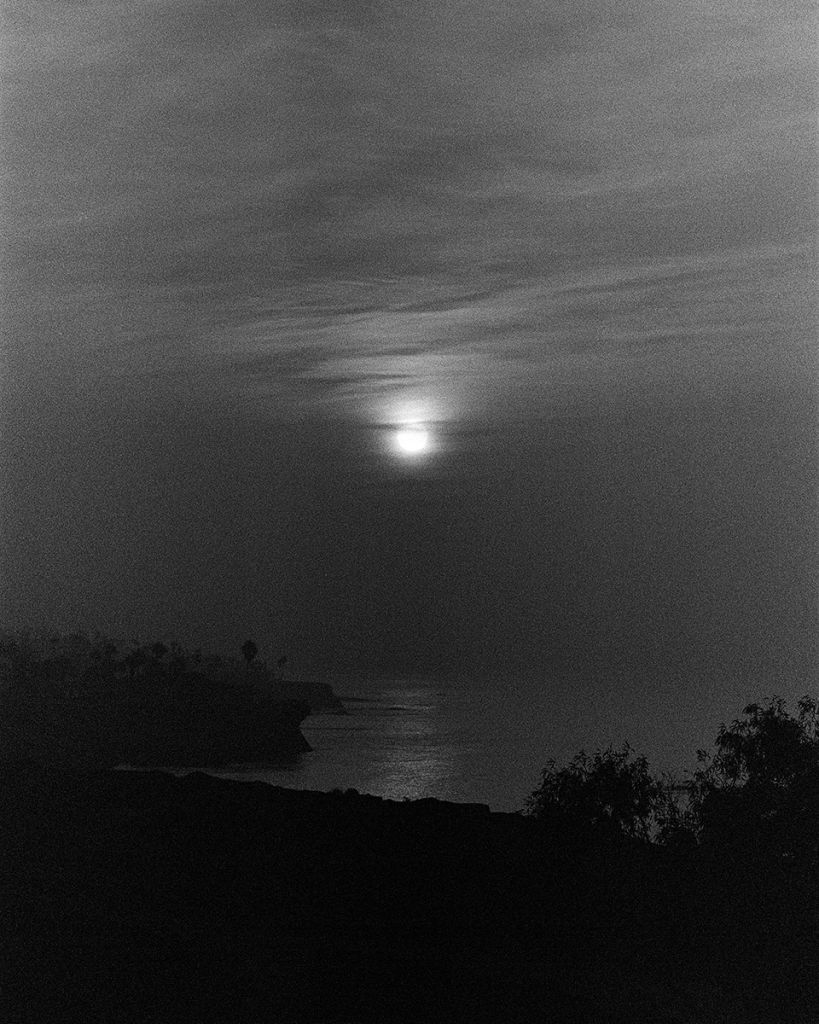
<point>481,741</point>
<point>420,757</point>
<point>403,741</point>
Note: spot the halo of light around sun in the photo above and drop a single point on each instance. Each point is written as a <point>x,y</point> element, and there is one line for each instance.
<point>411,441</point>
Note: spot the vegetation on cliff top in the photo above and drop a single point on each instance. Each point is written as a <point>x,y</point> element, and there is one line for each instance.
<point>70,700</point>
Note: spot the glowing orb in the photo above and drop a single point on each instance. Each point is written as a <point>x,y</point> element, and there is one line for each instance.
<point>412,440</point>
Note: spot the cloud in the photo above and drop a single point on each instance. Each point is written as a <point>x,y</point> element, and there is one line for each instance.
<point>318,186</point>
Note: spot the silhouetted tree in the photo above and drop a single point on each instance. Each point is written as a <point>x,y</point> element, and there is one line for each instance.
<point>159,650</point>
<point>761,787</point>
<point>249,651</point>
<point>134,661</point>
<point>612,789</point>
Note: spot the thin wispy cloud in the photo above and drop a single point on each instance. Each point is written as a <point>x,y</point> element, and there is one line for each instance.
<point>294,146</point>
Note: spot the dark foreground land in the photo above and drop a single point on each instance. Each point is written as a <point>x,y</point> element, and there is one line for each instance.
<point>142,897</point>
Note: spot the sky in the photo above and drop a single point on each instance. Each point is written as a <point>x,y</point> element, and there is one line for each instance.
<point>575,241</point>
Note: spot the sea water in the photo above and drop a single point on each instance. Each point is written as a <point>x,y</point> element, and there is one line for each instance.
<point>487,741</point>
<point>410,739</point>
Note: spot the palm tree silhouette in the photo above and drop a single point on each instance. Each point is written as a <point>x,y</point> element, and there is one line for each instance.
<point>249,650</point>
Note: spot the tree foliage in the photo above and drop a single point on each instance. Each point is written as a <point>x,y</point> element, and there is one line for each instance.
<point>611,789</point>
<point>762,784</point>
<point>758,791</point>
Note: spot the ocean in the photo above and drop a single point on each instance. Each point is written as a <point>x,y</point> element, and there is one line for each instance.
<point>487,742</point>
<point>409,739</point>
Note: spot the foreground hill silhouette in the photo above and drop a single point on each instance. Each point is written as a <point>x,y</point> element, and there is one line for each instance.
<point>143,897</point>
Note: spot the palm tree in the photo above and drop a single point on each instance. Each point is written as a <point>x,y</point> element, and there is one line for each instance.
<point>159,650</point>
<point>249,650</point>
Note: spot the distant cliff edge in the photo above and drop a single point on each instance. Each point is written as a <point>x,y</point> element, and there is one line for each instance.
<point>70,702</point>
<point>319,696</point>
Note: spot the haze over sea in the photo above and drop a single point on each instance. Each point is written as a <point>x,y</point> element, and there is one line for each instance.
<point>465,742</point>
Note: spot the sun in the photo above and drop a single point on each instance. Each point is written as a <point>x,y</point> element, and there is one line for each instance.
<point>412,440</point>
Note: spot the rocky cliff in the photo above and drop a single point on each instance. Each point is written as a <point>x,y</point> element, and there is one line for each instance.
<point>201,727</point>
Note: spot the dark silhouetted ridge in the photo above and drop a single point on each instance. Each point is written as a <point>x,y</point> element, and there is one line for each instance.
<point>145,897</point>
